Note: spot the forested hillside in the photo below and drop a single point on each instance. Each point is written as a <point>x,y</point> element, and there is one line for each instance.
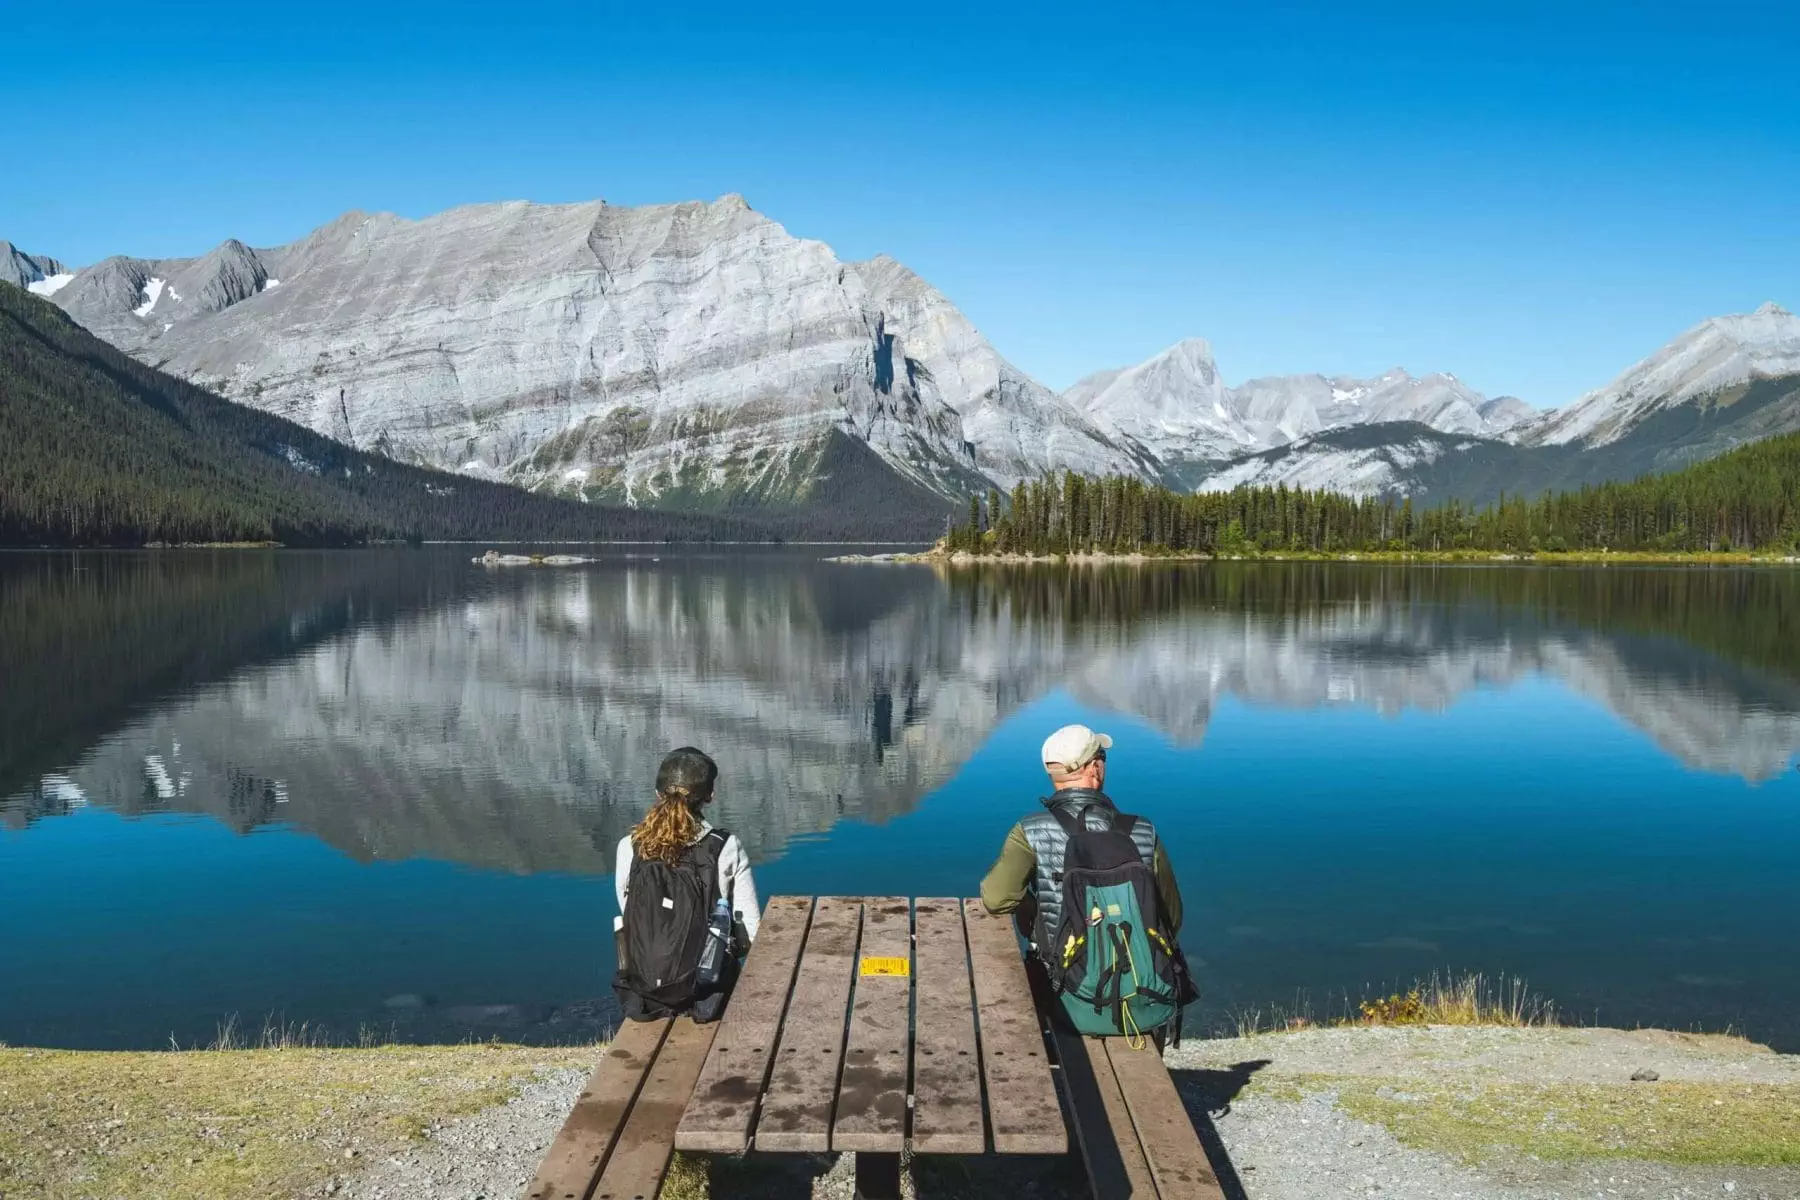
<point>97,449</point>
<point>1748,499</point>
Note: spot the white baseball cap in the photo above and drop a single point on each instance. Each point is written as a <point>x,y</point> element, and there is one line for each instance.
<point>1073,747</point>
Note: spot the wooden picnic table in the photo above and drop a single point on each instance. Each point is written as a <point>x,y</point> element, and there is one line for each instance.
<point>858,1024</point>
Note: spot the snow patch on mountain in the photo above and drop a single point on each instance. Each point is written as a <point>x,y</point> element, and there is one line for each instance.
<point>152,293</point>
<point>50,285</point>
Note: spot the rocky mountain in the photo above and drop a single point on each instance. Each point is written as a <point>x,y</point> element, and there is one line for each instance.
<point>1728,381</point>
<point>1704,364</point>
<point>698,355</point>
<point>1415,460</point>
<point>675,355</point>
<point>41,276</point>
<point>1178,409</point>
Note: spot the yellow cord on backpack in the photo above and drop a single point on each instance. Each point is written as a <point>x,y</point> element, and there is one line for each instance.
<point>1134,1037</point>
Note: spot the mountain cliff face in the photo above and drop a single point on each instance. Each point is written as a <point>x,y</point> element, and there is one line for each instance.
<point>671,355</point>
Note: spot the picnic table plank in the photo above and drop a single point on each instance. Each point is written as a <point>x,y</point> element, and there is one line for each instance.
<point>638,1163</point>
<point>593,1125</point>
<point>1177,1160</point>
<point>802,1089</point>
<point>1110,1153</point>
<point>1023,1108</point>
<point>724,1104</point>
<point>871,1094</point>
<point>947,1115</point>
<point>1114,1157</point>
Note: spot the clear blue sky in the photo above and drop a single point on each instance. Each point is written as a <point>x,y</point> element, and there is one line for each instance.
<point>1532,197</point>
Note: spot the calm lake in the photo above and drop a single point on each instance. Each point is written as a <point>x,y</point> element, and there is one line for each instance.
<point>380,790</point>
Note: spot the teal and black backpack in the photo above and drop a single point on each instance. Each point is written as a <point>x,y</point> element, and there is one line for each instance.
<point>1114,962</point>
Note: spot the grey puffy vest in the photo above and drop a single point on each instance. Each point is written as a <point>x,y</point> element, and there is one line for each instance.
<point>1049,841</point>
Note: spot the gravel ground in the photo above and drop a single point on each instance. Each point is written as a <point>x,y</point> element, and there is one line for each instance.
<point>490,1156</point>
<point>1272,1144</point>
<point>1282,1148</point>
<point>1522,1055</point>
<point>1310,1150</point>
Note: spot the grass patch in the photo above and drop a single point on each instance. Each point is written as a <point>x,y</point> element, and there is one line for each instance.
<point>1468,999</point>
<point>1459,1000</point>
<point>1694,1123</point>
<point>221,1125</point>
<point>689,1178</point>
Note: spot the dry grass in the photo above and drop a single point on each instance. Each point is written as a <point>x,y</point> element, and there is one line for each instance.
<point>288,1035</point>
<point>1468,999</point>
<point>214,1125</point>
<point>1459,1000</point>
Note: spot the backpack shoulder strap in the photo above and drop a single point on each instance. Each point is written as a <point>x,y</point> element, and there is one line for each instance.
<point>1124,823</point>
<point>710,847</point>
<point>1072,825</point>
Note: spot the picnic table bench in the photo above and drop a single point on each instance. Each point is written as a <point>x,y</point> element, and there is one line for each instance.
<point>873,1025</point>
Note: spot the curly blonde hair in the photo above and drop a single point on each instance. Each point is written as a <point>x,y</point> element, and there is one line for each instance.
<point>684,783</point>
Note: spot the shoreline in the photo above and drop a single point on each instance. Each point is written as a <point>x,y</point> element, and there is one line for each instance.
<point>962,558</point>
<point>1508,1113</point>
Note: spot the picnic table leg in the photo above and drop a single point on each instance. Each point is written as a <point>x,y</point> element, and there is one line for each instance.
<point>877,1177</point>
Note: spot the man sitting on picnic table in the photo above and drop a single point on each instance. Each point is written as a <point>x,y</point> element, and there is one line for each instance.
<point>1095,892</point>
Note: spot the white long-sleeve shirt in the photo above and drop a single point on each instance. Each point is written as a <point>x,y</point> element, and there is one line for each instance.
<point>736,884</point>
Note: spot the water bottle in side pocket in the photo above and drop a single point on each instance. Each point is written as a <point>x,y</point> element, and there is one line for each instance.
<point>711,967</point>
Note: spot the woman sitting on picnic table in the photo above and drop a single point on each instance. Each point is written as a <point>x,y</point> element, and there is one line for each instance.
<point>687,902</point>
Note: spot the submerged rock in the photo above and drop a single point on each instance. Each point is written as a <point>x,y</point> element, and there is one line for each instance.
<point>407,1001</point>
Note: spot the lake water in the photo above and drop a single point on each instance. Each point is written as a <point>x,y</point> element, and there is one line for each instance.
<point>380,790</point>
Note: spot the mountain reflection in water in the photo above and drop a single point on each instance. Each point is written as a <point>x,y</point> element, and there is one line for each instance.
<point>398,706</point>
<point>406,705</point>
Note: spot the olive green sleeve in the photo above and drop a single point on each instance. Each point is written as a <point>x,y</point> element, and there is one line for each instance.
<point>1009,879</point>
<point>1166,887</point>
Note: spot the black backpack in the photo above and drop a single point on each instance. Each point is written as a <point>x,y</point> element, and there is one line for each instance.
<point>1114,962</point>
<point>665,929</point>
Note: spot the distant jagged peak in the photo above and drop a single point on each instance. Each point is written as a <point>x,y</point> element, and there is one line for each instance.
<point>110,290</point>
<point>1187,363</point>
<point>1768,308</point>
<point>229,273</point>
<point>31,271</point>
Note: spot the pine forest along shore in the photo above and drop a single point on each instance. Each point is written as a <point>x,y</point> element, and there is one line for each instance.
<point>1741,507</point>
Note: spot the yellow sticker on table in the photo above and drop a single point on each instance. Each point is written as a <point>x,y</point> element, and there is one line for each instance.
<point>887,966</point>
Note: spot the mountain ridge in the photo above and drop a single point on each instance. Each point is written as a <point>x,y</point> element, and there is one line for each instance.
<point>694,353</point>
<point>698,355</point>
